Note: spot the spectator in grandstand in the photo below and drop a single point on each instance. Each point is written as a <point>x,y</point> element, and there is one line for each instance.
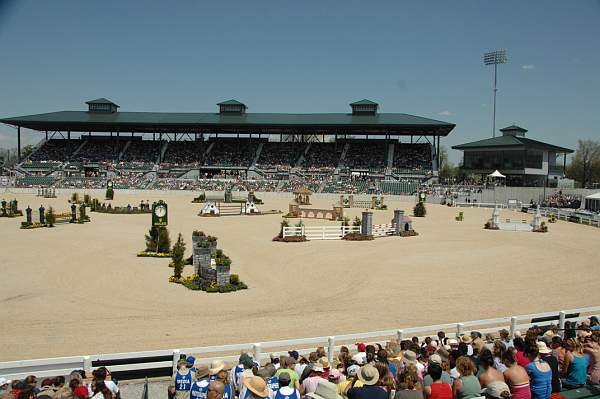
<point>467,385</point>
<point>575,365</point>
<point>183,380</point>
<point>489,374</point>
<point>409,386</point>
<point>519,345</point>
<point>498,351</point>
<point>592,349</point>
<point>438,388</point>
<point>516,376</point>
<point>429,379</point>
<point>254,388</point>
<point>369,376</point>
<point>101,391</point>
<point>386,380</point>
<point>4,385</point>
<point>68,392</point>
<point>497,390</point>
<point>361,356</point>
<point>545,354</point>
<point>284,389</point>
<point>46,390</point>
<point>200,382</point>
<point>287,366</point>
<point>216,390</point>
<point>540,374</point>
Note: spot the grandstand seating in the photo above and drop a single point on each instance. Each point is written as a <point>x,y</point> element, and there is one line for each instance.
<point>231,153</point>
<point>369,155</point>
<point>35,181</point>
<point>397,187</point>
<point>412,158</point>
<point>54,150</point>
<point>280,155</point>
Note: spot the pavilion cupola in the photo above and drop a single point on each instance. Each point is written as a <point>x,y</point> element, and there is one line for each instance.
<point>102,105</point>
<point>232,107</point>
<point>513,130</point>
<point>364,107</point>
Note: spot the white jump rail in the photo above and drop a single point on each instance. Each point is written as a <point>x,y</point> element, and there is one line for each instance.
<point>320,232</point>
<point>479,205</point>
<point>132,361</point>
<point>565,215</point>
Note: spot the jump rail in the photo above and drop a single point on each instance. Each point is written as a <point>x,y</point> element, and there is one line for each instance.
<point>167,359</point>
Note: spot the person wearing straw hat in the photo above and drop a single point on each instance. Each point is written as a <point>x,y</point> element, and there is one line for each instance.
<point>215,367</point>
<point>369,376</point>
<point>199,388</point>
<point>546,355</point>
<point>325,390</point>
<point>254,388</point>
<point>497,390</point>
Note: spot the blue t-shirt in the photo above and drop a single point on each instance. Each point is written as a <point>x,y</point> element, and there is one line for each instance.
<point>183,382</point>
<point>540,383</point>
<point>199,390</point>
<point>287,393</point>
<point>273,383</point>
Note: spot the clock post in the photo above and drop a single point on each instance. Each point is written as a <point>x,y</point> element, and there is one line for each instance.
<point>160,217</point>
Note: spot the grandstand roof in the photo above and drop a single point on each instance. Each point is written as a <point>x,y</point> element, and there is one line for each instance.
<point>101,101</point>
<point>511,141</point>
<point>231,102</point>
<point>274,123</point>
<point>364,102</point>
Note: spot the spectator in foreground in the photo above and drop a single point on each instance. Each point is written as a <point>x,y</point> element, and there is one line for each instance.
<point>438,388</point>
<point>575,366</point>
<point>516,377</point>
<point>467,385</point>
<point>369,376</point>
<point>215,390</point>
<point>489,374</point>
<point>284,390</point>
<point>325,390</point>
<point>546,355</point>
<point>540,374</point>
<point>254,388</point>
<point>497,390</point>
<point>592,348</point>
<point>101,391</point>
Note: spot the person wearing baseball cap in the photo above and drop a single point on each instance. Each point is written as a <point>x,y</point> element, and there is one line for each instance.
<point>284,390</point>
<point>369,376</point>
<point>4,384</point>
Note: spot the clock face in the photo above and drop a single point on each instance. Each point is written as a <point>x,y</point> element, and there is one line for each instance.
<point>160,211</point>
<point>110,184</point>
<point>422,195</point>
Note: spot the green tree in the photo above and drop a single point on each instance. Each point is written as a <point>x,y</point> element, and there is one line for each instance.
<point>26,151</point>
<point>157,240</point>
<point>585,165</point>
<point>177,255</point>
<point>446,168</point>
<point>419,210</point>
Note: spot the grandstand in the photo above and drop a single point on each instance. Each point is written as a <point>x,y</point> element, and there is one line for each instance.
<point>356,152</point>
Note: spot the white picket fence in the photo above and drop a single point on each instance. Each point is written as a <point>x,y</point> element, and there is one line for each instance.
<point>479,205</point>
<point>564,215</point>
<point>381,230</point>
<point>119,362</point>
<point>320,232</point>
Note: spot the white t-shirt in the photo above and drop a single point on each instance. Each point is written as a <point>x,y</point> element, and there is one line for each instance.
<point>360,358</point>
<point>109,384</point>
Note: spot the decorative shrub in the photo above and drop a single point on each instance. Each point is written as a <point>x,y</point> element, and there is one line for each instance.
<point>419,210</point>
<point>234,279</point>
<point>50,218</point>
<point>157,240</point>
<point>357,237</point>
<point>356,222</point>
<point>177,256</point>
<point>346,221</point>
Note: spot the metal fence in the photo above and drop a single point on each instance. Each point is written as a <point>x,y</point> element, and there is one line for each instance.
<point>167,359</point>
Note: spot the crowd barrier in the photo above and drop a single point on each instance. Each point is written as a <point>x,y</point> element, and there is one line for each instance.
<point>149,361</point>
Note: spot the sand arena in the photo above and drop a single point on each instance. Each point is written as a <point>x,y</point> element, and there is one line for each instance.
<point>80,289</point>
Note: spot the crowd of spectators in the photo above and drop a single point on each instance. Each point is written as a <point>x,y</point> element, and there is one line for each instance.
<point>184,154</point>
<point>539,365</point>
<point>322,157</point>
<point>369,155</point>
<point>410,158</point>
<point>142,151</point>
<point>231,153</point>
<point>280,156</point>
<point>53,150</point>
<point>560,200</point>
<point>99,150</point>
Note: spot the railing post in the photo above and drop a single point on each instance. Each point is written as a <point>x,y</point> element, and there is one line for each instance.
<point>561,323</point>
<point>176,355</point>
<point>400,335</point>
<point>87,364</point>
<point>330,349</point>
<point>256,350</point>
<point>459,329</point>
<point>513,326</point>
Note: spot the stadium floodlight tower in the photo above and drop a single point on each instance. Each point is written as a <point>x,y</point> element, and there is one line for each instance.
<point>494,58</point>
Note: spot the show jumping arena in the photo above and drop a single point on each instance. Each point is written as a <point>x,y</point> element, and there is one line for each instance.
<point>78,289</point>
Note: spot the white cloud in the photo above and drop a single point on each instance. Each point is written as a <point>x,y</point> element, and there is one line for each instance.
<point>528,67</point>
<point>446,113</point>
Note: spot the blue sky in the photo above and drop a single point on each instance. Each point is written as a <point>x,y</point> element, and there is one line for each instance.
<point>419,57</point>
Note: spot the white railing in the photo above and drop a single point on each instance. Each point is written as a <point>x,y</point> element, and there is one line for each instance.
<point>380,230</point>
<point>230,353</point>
<point>320,232</point>
<point>478,205</point>
<point>564,215</point>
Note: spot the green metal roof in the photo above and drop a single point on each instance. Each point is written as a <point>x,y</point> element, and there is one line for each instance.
<point>101,101</point>
<point>510,141</point>
<point>512,128</point>
<point>231,102</point>
<point>395,124</point>
<point>364,102</point>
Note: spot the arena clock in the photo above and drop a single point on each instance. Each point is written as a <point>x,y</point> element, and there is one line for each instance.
<point>422,196</point>
<point>159,214</point>
<point>109,184</point>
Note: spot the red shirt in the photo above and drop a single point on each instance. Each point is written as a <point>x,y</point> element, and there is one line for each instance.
<point>440,391</point>
<point>522,360</point>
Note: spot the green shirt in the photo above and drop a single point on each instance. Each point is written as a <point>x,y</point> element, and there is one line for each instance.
<point>293,376</point>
